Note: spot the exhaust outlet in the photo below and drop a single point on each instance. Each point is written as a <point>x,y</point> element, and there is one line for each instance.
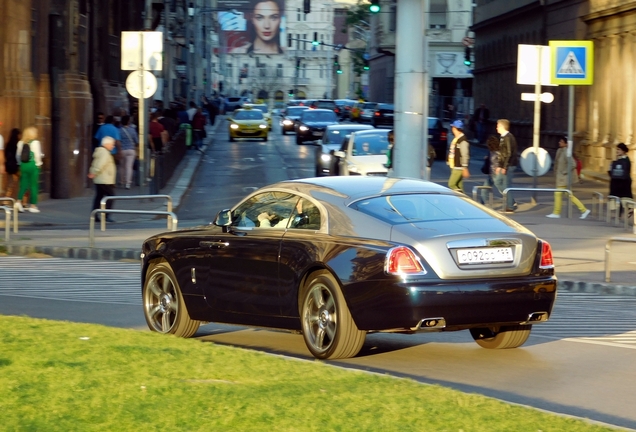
<point>537,317</point>
<point>431,324</point>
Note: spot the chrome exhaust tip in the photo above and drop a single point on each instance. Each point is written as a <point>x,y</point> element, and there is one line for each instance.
<point>536,317</point>
<point>430,324</point>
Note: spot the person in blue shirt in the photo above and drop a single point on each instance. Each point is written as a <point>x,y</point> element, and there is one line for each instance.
<point>110,130</point>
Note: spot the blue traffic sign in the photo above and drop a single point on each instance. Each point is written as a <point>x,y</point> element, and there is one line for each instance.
<point>572,62</point>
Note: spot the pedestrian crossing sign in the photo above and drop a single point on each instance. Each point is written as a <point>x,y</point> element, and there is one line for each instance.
<point>572,62</point>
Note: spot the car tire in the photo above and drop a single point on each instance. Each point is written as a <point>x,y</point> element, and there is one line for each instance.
<point>328,327</point>
<point>265,138</point>
<point>231,138</point>
<point>299,141</point>
<point>164,308</point>
<point>284,131</point>
<point>501,338</point>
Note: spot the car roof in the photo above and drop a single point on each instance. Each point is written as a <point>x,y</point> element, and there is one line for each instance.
<point>353,188</point>
<point>320,110</point>
<point>372,131</point>
<point>358,127</point>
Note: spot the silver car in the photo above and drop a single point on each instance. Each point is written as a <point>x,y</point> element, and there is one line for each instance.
<point>332,141</point>
<point>364,154</point>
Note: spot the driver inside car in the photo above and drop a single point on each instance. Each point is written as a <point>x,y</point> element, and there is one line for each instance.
<point>266,218</point>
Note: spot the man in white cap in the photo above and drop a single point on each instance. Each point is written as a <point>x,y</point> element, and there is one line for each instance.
<point>458,157</point>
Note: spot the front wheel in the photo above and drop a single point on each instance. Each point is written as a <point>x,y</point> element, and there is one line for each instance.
<point>298,140</point>
<point>328,327</point>
<point>164,308</point>
<point>501,337</point>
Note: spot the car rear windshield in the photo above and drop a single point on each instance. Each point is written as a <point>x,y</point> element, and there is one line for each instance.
<point>396,209</point>
<point>369,105</point>
<point>325,104</point>
<point>314,116</point>
<point>335,135</point>
<point>295,111</point>
<point>433,123</point>
<point>370,144</point>
<point>385,107</point>
<point>248,115</point>
<point>262,108</point>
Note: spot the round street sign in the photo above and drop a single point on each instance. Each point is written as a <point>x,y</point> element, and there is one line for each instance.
<point>542,159</point>
<point>133,84</point>
<point>468,41</point>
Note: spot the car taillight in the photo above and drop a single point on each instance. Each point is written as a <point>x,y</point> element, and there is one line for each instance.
<point>443,136</point>
<point>377,113</point>
<point>402,261</point>
<point>546,256</point>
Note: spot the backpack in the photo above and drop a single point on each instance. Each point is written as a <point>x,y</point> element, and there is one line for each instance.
<point>25,156</point>
<point>619,170</point>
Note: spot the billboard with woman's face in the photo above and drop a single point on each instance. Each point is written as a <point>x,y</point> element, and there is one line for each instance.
<point>252,26</point>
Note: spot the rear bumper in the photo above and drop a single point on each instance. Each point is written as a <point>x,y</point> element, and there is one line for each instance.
<point>393,306</point>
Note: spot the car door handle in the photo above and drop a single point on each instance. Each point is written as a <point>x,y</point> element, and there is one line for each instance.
<point>216,243</point>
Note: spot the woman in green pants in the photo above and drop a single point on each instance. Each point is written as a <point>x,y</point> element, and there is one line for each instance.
<point>29,170</point>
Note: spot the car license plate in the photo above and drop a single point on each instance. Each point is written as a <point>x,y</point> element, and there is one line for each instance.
<point>317,133</point>
<point>484,255</point>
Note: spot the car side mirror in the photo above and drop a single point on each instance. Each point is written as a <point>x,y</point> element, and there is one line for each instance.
<point>340,154</point>
<point>223,218</point>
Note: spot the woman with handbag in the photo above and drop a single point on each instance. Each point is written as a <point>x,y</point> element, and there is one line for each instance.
<point>620,175</point>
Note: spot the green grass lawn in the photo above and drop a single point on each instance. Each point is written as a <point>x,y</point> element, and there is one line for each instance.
<point>59,376</point>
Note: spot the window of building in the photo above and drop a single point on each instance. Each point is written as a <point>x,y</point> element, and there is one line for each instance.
<point>298,14</point>
<point>304,70</point>
<point>393,17</point>
<point>438,10</point>
<point>279,70</point>
<point>320,71</point>
<point>228,67</point>
<point>304,41</point>
<point>322,40</point>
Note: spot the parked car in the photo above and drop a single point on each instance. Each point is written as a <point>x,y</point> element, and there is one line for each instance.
<point>366,112</point>
<point>292,114</point>
<point>383,115</point>
<point>247,123</point>
<point>438,137</point>
<point>332,141</point>
<point>364,153</point>
<point>336,258</point>
<point>312,123</point>
<point>234,103</point>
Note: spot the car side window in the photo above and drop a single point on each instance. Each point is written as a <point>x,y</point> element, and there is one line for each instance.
<point>265,210</point>
<point>305,216</point>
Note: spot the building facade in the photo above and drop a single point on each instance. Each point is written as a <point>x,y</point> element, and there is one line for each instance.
<point>604,111</point>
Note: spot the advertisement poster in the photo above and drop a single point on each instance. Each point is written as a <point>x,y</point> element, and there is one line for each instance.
<point>252,26</point>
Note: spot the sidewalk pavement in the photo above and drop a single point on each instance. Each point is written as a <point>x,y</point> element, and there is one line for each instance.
<point>578,246</point>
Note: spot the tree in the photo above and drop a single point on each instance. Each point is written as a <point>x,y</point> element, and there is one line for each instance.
<point>267,80</point>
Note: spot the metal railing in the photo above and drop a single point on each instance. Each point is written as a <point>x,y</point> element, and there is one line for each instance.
<point>627,204</point>
<point>597,199</point>
<point>7,222</point>
<point>15,211</point>
<point>491,195</point>
<point>91,229</point>
<point>102,205</point>
<point>613,204</point>
<point>567,191</point>
<point>607,252</point>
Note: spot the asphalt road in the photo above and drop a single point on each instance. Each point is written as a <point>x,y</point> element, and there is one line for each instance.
<point>580,363</point>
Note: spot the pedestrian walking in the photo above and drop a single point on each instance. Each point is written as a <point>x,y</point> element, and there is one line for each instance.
<point>129,143</point>
<point>103,173</point>
<point>480,118</point>
<point>29,157</point>
<point>508,161</point>
<point>561,173</point>
<point>11,168</point>
<point>109,129</point>
<point>458,157</point>
<point>198,127</point>
<point>491,164</point>
<point>620,175</point>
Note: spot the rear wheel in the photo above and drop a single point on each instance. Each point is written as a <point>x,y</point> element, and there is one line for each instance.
<point>231,138</point>
<point>328,328</point>
<point>164,308</point>
<point>501,337</point>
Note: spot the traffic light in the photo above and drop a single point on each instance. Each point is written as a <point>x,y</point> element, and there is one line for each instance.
<point>467,60</point>
<point>289,40</point>
<point>307,6</point>
<point>315,41</point>
<point>336,64</point>
<point>366,65</point>
<point>290,93</point>
<point>375,6</point>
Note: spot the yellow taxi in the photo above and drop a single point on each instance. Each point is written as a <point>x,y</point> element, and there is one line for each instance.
<point>264,109</point>
<point>248,123</point>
